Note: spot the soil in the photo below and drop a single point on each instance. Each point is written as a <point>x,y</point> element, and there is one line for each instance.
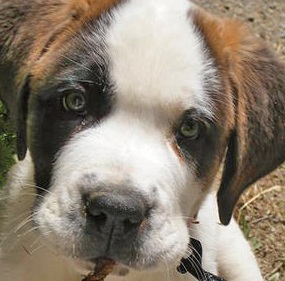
<point>261,210</point>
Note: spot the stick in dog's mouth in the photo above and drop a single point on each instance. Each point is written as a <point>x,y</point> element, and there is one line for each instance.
<point>102,268</point>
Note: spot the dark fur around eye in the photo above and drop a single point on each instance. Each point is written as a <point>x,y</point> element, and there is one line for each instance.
<point>52,125</point>
<point>202,149</point>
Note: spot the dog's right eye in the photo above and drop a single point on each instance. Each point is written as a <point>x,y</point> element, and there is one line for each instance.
<point>75,101</point>
<point>190,129</point>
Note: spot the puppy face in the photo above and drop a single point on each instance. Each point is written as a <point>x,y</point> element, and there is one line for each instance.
<point>128,111</point>
<point>126,126</point>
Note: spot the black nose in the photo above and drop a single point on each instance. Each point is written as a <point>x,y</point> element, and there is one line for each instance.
<point>116,213</point>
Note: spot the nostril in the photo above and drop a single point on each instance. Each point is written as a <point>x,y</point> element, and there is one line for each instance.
<point>94,210</point>
<point>130,224</point>
<point>100,218</point>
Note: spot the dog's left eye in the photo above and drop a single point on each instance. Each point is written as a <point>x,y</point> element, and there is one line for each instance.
<point>75,101</point>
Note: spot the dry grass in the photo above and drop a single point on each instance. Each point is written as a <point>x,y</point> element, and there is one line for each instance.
<point>261,214</point>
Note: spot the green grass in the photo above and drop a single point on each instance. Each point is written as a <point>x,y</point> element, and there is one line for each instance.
<point>7,144</point>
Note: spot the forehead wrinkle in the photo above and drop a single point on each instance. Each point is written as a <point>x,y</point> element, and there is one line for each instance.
<point>156,57</point>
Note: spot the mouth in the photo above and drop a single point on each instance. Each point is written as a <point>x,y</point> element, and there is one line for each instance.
<point>102,268</point>
<point>98,269</point>
<point>109,265</point>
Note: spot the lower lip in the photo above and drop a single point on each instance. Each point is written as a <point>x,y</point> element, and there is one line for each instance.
<point>118,270</point>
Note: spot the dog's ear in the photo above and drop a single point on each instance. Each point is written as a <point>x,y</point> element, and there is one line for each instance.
<point>254,80</point>
<point>257,143</point>
<point>21,119</point>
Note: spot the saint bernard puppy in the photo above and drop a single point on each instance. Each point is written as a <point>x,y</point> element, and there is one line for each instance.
<point>125,112</point>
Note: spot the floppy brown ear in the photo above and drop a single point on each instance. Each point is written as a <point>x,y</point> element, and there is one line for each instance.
<point>257,143</point>
<point>254,79</point>
<point>21,123</point>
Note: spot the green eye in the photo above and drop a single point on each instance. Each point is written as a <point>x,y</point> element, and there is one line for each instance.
<point>74,101</point>
<point>190,129</point>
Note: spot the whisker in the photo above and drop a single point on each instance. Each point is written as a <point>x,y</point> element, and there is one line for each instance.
<point>76,80</point>
<point>13,233</point>
<point>24,223</point>
<point>37,249</point>
<point>17,218</point>
<point>26,250</point>
<point>196,259</point>
<point>19,238</point>
<point>38,187</point>
<point>36,241</point>
<point>27,232</point>
<point>34,194</point>
<point>76,63</point>
<point>195,264</point>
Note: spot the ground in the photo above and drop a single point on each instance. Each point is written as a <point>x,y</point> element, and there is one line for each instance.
<point>261,211</point>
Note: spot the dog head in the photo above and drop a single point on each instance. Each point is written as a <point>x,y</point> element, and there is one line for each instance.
<point>129,109</point>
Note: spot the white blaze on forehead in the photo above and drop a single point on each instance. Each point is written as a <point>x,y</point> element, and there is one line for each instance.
<point>156,56</point>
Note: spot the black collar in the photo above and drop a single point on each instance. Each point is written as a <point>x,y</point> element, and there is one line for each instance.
<point>193,264</point>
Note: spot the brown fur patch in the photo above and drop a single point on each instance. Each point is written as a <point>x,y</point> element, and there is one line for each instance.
<point>31,31</point>
<point>71,17</point>
<point>253,78</point>
<point>67,21</point>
